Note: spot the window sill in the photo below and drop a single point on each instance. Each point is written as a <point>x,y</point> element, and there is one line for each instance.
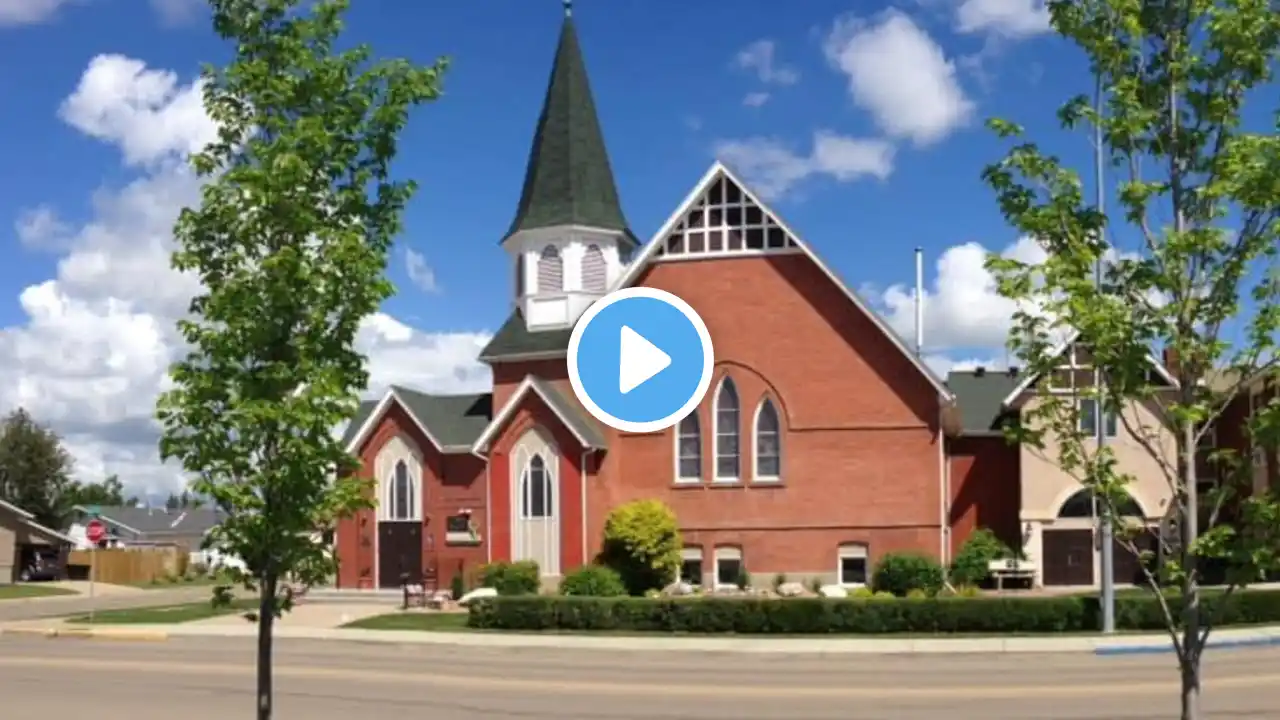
<point>462,540</point>
<point>726,482</point>
<point>766,481</point>
<point>687,482</point>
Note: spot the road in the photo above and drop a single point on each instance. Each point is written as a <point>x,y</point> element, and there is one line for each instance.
<point>212,679</point>
<point>41,607</point>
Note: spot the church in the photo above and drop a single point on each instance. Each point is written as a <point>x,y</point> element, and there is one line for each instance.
<point>819,447</point>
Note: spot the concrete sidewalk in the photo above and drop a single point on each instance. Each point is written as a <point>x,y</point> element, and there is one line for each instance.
<point>1094,644</point>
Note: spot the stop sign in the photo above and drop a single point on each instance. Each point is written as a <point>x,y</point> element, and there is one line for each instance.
<point>95,531</point>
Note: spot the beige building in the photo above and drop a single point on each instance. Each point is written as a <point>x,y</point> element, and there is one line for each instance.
<point>21,537</point>
<point>1058,515</point>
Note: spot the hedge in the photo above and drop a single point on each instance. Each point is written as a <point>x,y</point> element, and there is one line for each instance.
<point>870,616</point>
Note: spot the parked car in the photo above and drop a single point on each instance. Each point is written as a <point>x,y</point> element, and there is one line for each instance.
<point>41,566</point>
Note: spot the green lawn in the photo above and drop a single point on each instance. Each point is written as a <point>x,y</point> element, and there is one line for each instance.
<point>165,614</point>
<point>438,622</point>
<point>171,584</point>
<point>31,590</point>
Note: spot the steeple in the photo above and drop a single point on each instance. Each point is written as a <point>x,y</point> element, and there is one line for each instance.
<point>568,180</point>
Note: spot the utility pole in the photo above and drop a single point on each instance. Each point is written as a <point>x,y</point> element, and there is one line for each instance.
<point>1103,510</point>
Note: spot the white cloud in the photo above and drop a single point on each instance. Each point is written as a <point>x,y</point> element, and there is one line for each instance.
<point>98,338</point>
<point>760,57</point>
<point>14,13</point>
<point>900,75</point>
<point>774,168</point>
<point>755,99</point>
<point>420,273</point>
<point>40,228</point>
<point>178,12</point>
<point>1012,19</point>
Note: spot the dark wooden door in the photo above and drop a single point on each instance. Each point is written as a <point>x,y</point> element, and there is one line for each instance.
<point>399,552</point>
<point>1127,569</point>
<point>1068,557</point>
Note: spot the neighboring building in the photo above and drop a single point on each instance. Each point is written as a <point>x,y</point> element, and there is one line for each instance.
<point>24,542</point>
<point>133,526</point>
<point>819,448</point>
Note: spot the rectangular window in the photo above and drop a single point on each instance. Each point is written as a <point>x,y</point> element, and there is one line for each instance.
<point>728,566</point>
<point>1089,419</point>
<point>691,566</point>
<point>457,529</point>
<point>853,565</point>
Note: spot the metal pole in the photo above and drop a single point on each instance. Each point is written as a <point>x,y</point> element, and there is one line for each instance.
<point>1104,516</point>
<point>93,574</point>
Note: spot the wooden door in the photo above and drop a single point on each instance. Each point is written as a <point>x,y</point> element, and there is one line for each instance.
<point>1127,568</point>
<point>399,552</point>
<point>1068,557</point>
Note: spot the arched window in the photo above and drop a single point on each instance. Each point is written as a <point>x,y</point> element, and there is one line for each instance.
<point>550,270</point>
<point>593,270</point>
<point>1084,505</point>
<point>728,452</point>
<point>520,276</point>
<point>689,449</point>
<point>535,490</point>
<point>402,495</point>
<point>768,443</point>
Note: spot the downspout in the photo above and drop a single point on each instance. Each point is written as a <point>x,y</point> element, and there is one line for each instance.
<point>944,484</point>
<point>586,454</point>
<point>488,506</point>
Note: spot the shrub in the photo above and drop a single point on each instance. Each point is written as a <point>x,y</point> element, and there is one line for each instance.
<point>516,578</point>
<point>862,592</point>
<point>642,543</point>
<point>852,616</point>
<point>973,562</point>
<point>815,585</point>
<point>900,573</point>
<point>458,585</point>
<point>743,580</point>
<point>779,580</point>
<point>593,581</point>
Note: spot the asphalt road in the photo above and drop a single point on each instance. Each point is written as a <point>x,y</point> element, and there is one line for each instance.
<point>41,607</point>
<point>213,679</point>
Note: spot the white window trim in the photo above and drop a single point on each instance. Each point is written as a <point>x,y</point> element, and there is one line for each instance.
<point>725,552</point>
<point>690,479</point>
<point>399,449</point>
<point>850,550</point>
<point>1100,414</point>
<point>715,433</point>
<point>755,443</point>
<point>687,554</point>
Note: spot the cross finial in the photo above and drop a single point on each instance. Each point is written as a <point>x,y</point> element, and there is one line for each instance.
<point>568,7</point>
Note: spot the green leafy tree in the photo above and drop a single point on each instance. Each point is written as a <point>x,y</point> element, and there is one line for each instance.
<point>35,470</point>
<point>108,493</point>
<point>1187,263</point>
<point>290,243</point>
<point>642,543</point>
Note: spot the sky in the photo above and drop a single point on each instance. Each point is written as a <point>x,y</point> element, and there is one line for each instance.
<point>860,123</point>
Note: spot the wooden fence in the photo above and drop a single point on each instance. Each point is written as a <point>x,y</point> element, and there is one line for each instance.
<point>129,566</point>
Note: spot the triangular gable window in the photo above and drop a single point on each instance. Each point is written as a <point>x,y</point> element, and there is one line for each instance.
<point>725,221</point>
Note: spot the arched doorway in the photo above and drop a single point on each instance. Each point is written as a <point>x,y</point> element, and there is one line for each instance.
<point>536,502</point>
<point>1072,555</point>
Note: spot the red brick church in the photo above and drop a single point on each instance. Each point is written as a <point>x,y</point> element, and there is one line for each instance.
<point>819,447</point>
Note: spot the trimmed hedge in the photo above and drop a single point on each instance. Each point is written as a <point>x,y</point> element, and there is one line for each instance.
<point>864,616</point>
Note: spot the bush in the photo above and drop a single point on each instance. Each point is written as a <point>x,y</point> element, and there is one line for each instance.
<point>852,616</point>
<point>900,573</point>
<point>458,585</point>
<point>593,581</point>
<point>972,563</point>
<point>642,543</point>
<point>516,578</point>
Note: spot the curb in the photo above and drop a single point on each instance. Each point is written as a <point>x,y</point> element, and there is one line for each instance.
<point>1263,640</point>
<point>80,633</point>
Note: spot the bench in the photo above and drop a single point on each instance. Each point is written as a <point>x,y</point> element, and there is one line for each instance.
<point>1011,569</point>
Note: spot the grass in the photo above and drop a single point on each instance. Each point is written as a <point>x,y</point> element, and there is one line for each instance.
<point>435,622</point>
<point>178,582</point>
<point>18,592</point>
<point>165,614</point>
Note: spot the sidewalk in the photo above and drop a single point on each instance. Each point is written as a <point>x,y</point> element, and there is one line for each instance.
<point>1098,645</point>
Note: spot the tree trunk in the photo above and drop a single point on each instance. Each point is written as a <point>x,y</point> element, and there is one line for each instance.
<point>266,621</point>
<point>1189,659</point>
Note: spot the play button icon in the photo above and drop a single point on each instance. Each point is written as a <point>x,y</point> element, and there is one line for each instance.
<point>640,360</point>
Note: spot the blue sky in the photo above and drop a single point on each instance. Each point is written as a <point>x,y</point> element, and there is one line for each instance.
<point>862,123</point>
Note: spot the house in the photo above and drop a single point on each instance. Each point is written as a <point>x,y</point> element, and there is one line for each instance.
<point>819,448</point>
<point>131,526</point>
<point>24,542</point>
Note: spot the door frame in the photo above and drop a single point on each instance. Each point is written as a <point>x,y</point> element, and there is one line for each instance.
<point>536,441</point>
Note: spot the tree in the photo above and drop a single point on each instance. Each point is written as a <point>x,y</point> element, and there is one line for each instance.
<point>642,543</point>
<point>109,493</point>
<point>290,243</point>
<point>35,470</point>
<point>1173,77</point>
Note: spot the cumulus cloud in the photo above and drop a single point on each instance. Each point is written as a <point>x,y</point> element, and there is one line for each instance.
<point>178,12</point>
<point>774,168</point>
<point>420,273</point>
<point>760,57</point>
<point>14,13</point>
<point>1012,19</point>
<point>900,75</point>
<point>94,349</point>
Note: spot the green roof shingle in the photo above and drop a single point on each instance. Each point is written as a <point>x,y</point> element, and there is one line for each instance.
<point>980,397</point>
<point>514,339</point>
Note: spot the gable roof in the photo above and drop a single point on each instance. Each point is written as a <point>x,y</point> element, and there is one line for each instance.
<point>979,399</point>
<point>450,422</point>
<point>717,171</point>
<point>582,427</point>
<point>29,519</point>
<point>1062,347</point>
<point>151,521</point>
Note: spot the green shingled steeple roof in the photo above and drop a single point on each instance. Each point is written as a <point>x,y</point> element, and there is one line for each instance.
<point>568,180</point>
